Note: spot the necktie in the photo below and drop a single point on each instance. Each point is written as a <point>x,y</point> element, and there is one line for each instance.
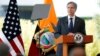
<point>71,25</point>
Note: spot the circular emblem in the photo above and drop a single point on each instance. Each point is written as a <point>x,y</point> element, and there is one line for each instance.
<point>47,39</point>
<point>78,38</point>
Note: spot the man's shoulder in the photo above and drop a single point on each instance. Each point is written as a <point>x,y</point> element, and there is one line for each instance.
<point>79,18</point>
<point>62,18</point>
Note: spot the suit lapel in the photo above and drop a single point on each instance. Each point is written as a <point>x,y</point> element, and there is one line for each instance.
<point>65,24</point>
<point>76,23</point>
<point>66,20</point>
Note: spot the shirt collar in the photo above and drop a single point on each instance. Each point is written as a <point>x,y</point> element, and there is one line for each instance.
<point>71,17</point>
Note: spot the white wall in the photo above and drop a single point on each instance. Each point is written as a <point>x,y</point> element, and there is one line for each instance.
<point>85,7</point>
<point>22,2</point>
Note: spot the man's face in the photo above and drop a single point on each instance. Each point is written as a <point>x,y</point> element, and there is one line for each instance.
<point>77,52</point>
<point>71,9</point>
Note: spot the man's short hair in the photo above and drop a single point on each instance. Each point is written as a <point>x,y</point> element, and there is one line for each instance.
<point>75,5</point>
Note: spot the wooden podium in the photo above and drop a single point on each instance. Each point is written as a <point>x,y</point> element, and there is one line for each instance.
<point>66,40</point>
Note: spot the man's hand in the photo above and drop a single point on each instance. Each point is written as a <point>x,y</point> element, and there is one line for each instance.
<point>71,34</point>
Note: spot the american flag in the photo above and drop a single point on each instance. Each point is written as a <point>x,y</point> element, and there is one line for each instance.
<point>11,31</point>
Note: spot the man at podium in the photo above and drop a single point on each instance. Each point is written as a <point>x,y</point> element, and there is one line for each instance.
<point>69,25</point>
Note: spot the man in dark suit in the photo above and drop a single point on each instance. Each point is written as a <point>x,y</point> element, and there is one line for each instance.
<point>69,25</point>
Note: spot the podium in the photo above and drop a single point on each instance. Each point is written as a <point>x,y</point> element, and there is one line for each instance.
<point>67,40</point>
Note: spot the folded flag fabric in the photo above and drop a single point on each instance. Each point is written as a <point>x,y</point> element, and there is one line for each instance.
<point>11,31</point>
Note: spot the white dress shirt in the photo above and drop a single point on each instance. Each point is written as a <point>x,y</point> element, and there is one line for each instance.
<point>73,19</point>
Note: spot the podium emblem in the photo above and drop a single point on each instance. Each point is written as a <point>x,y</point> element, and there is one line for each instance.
<point>78,38</point>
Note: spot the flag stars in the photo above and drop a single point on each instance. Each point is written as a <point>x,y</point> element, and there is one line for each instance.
<point>12,23</point>
<point>8,17</point>
<point>11,7</point>
<point>10,32</point>
<point>14,33</point>
<point>15,28</point>
<point>6,27</point>
<point>11,27</point>
<point>14,13</point>
<point>16,23</point>
<point>7,22</point>
<point>5,31</point>
<point>9,12</point>
<point>12,2</point>
<point>15,8</point>
<point>9,37</point>
<point>13,18</point>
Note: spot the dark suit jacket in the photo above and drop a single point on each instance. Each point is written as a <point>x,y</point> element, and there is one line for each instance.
<point>62,29</point>
<point>62,26</point>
